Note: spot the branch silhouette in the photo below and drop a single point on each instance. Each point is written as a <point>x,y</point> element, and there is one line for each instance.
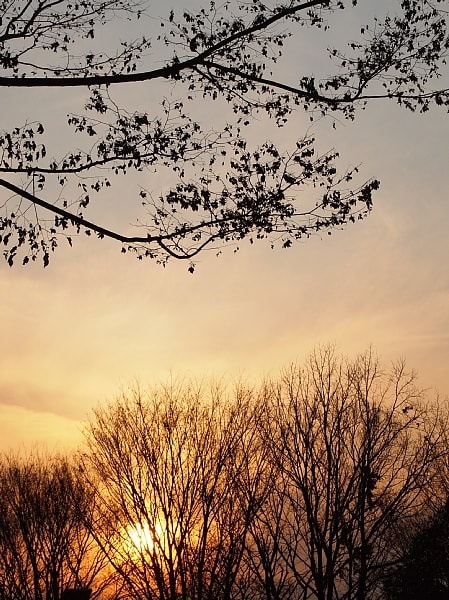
<point>223,190</point>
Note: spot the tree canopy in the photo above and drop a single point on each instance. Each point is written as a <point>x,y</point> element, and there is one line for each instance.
<point>239,58</point>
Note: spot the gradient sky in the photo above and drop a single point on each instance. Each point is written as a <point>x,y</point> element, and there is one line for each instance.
<point>94,321</point>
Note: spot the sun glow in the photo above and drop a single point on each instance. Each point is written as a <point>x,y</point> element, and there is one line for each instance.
<point>144,538</point>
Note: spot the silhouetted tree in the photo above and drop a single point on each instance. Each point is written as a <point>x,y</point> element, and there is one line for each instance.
<point>224,189</point>
<point>181,475</point>
<point>45,546</point>
<point>355,448</point>
<point>423,569</point>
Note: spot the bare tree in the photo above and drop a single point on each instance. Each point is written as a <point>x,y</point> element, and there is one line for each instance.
<point>355,447</point>
<point>45,546</point>
<point>224,190</point>
<point>181,475</point>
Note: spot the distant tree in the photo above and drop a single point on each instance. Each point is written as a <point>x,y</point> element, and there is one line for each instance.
<point>423,569</point>
<point>45,546</point>
<point>355,448</point>
<point>181,474</point>
<point>224,189</point>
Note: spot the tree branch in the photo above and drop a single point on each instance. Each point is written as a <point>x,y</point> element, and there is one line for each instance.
<point>162,73</point>
<point>102,232</point>
<point>76,219</point>
<point>309,95</point>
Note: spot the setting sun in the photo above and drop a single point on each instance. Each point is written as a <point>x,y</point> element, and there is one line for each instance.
<point>143,538</point>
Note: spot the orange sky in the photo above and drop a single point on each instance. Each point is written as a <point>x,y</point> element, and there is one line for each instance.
<point>77,332</point>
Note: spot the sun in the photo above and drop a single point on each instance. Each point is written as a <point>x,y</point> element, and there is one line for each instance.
<point>144,538</point>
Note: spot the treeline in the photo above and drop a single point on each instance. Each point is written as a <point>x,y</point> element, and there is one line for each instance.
<point>330,483</point>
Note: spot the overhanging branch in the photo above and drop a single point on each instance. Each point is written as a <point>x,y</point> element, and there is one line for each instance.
<point>160,240</point>
<point>76,219</point>
<point>164,72</point>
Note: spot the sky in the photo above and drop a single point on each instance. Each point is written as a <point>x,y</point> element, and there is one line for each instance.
<point>96,321</point>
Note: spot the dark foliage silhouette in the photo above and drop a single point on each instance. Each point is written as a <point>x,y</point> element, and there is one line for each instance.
<point>423,571</point>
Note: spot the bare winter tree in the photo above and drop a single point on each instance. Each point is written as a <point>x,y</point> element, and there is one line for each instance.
<point>181,474</point>
<point>45,546</point>
<point>356,448</point>
<point>233,56</point>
